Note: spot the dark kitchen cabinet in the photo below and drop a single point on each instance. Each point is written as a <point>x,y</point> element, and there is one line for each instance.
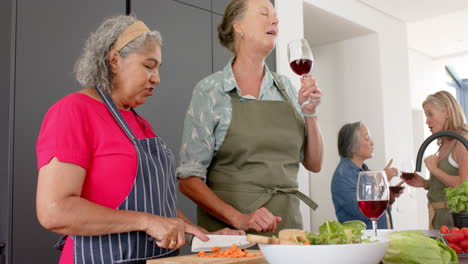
<point>186,59</point>
<point>49,38</point>
<point>218,6</point>
<point>204,4</point>
<point>6,135</point>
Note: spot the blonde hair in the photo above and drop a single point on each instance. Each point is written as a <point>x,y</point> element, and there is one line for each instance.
<point>444,101</point>
<point>233,12</point>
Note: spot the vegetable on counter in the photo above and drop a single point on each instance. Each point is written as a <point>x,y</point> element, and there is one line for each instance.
<point>233,252</point>
<point>457,198</point>
<point>456,238</point>
<point>330,233</point>
<point>415,247</point>
<point>336,233</point>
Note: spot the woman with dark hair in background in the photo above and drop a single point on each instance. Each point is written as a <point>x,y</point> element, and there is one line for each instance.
<point>355,146</point>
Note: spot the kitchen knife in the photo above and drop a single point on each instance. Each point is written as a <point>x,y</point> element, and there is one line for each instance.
<point>220,241</point>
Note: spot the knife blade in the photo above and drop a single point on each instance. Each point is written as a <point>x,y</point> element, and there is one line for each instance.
<point>220,241</point>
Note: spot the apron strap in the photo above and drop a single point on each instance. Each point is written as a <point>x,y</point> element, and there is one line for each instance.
<point>267,194</point>
<point>280,87</point>
<point>143,121</point>
<point>115,112</point>
<point>233,93</point>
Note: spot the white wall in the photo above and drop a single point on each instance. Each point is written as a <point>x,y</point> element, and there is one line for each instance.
<point>366,79</point>
<point>348,74</point>
<point>375,70</point>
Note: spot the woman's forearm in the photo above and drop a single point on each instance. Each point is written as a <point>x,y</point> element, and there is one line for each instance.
<point>195,189</point>
<point>77,216</point>
<point>445,178</point>
<point>313,151</point>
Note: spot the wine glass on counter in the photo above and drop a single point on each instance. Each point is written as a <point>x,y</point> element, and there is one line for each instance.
<point>300,59</point>
<point>372,195</point>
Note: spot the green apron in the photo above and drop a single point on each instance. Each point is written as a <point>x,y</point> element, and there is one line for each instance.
<point>436,193</point>
<point>257,163</point>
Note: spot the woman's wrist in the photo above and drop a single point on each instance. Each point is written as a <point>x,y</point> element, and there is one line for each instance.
<point>237,221</point>
<point>143,222</point>
<point>314,113</point>
<point>426,184</point>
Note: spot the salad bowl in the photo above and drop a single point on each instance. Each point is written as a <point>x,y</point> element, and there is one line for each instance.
<point>362,253</point>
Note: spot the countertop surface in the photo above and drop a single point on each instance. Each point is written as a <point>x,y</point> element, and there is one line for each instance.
<point>194,258</point>
<point>252,260</point>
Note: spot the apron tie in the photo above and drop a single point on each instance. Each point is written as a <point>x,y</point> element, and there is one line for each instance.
<point>271,191</point>
<point>432,210</point>
<point>267,194</point>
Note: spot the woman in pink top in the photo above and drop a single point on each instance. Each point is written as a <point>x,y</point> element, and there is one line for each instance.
<point>105,179</point>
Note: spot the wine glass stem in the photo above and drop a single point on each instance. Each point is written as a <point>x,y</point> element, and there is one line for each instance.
<point>374,226</point>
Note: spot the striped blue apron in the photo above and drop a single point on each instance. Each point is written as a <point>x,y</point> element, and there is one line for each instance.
<point>154,192</point>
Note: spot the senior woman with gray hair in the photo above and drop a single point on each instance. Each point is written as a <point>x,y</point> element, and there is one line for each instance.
<point>105,179</point>
<point>354,146</point>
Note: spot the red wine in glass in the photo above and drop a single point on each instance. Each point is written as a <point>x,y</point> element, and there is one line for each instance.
<point>300,59</point>
<point>373,209</point>
<point>395,189</point>
<point>301,66</point>
<point>407,175</point>
<point>372,195</point>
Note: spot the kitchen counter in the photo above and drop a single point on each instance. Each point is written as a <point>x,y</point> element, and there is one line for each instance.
<point>194,258</point>
<point>254,260</point>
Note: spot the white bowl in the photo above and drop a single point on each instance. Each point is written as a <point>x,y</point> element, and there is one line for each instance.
<point>380,232</point>
<point>364,253</point>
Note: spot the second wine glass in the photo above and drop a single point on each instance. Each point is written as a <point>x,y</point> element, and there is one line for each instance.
<point>372,195</point>
<point>300,59</point>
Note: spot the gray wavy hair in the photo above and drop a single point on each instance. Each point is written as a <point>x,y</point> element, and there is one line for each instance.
<point>92,67</point>
<point>348,139</point>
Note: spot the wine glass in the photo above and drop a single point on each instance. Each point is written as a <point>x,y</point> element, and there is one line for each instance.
<point>395,185</point>
<point>407,173</point>
<point>372,195</point>
<point>300,59</point>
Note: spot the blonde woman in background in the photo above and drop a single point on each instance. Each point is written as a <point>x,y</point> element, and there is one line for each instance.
<point>449,166</point>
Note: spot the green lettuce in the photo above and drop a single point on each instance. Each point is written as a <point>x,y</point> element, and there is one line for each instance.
<point>413,247</point>
<point>457,198</point>
<point>333,232</point>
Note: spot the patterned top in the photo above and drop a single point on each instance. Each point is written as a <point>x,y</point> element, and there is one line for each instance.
<point>209,115</point>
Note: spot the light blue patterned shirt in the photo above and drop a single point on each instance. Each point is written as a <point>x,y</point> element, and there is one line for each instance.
<point>209,115</point>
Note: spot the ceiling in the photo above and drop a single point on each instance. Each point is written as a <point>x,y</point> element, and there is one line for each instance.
<point>328,27</point>
<point>436,28</point>
<point>414,10</point>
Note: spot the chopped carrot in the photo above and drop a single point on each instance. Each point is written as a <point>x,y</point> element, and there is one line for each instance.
<point>233,252</point>
<point>307,242</point>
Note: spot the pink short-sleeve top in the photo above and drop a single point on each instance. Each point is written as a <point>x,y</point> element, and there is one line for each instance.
<point>80,130</point>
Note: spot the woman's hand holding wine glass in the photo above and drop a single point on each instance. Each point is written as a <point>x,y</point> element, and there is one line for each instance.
<point>301,61</point>
<point>309,95</point>
<point>415,180</point>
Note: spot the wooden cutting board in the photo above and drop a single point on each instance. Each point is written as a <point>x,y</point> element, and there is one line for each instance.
<point>196,259</point>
